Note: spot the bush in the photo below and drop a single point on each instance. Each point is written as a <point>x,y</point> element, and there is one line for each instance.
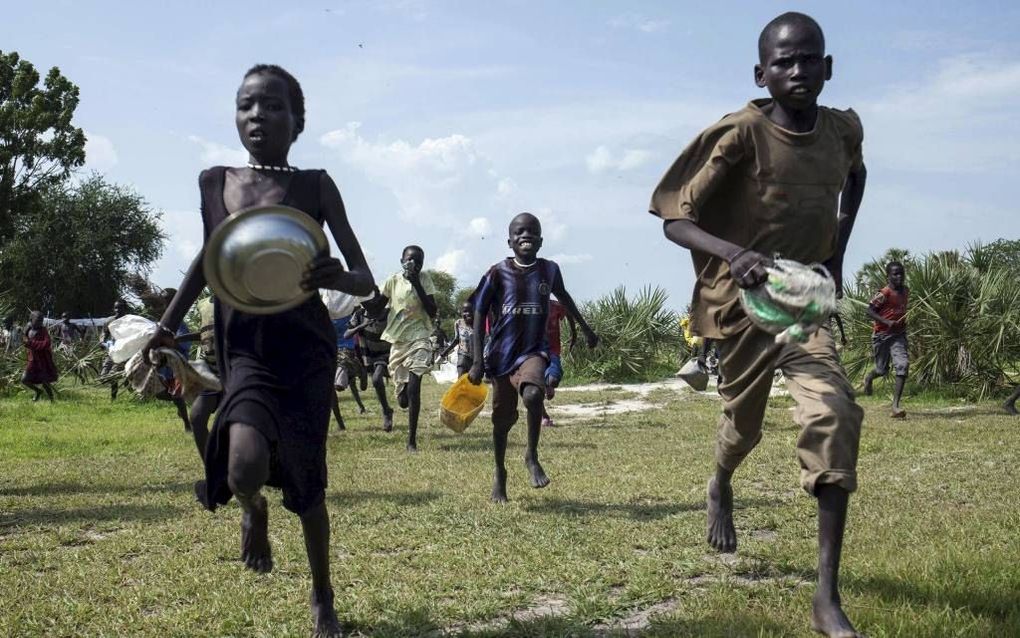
<point>640,338</point>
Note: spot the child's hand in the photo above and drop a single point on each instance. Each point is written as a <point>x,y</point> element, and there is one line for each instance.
<point>162,339</point>
<point>592,339</point>
<point>323,272</point>
<point>748,268</point>
<point>475,373</point>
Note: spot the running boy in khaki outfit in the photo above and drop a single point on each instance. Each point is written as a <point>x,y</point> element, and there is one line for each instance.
<point>768,180</point>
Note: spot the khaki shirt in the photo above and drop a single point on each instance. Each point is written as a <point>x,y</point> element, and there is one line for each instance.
<point>764,188</point>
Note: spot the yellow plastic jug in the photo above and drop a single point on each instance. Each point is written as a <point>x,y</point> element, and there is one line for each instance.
<point>462,403</point>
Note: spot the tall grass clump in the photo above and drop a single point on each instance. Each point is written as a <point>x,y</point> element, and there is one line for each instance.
<point>963,320</point>
<point>640,338</point>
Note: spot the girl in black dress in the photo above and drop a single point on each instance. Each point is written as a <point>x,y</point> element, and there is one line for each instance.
<point>277,370</point>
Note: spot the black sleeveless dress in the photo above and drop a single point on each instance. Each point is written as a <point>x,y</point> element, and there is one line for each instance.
<point>277,373</point>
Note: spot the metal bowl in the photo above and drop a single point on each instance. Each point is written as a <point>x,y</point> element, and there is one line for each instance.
<point>255,259</point>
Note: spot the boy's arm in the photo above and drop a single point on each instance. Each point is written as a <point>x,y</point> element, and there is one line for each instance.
<point>568,302</point>
<point>478,338</point>
<point>573,331</point>
<point>746,266</point>
<point>449,347</point>
<point>427,300</point>
<point>326,271</point>
<point>873,311</point>
<point>849,204</point>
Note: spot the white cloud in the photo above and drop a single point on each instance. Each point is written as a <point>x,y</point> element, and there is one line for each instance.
<point>506,186</point>
<point>480,227</point>
<point>639,22</point>
<point>453,262</point>
<point>100,155</point>
<point>218,154</point>
<point>961,118</point>
<point>602,159</point>
<point>563,258</point>
<point>439,180</point>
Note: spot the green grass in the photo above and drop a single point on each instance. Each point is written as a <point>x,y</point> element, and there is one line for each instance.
<point>100,535</point>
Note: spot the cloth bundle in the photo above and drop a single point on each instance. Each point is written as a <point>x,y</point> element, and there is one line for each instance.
<point>793,303</point>
<point>194,376</point>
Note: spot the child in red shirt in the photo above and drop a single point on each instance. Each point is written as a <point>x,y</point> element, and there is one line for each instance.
<point>554,371</point>
<point>889,341</point>
<point>40,369</point>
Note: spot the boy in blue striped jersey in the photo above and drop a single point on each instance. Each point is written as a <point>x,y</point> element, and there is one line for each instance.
<point>516,293</point>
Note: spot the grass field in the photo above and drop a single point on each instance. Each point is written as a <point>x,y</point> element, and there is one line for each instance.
<point>100,535</point>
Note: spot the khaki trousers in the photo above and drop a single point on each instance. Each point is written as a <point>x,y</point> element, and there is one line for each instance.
<point>829,419</point>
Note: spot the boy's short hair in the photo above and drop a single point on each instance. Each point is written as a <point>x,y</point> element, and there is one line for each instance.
<point>893,264</point>
<point>788,18</point>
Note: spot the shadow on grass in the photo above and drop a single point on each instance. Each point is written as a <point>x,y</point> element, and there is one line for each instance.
<point>638,510</point>
<point>397,498</point>
<point>418,623</point>
<point>49,516</point>
<point>484,444</point>
<point>954,589</point>
<point>67,488</point>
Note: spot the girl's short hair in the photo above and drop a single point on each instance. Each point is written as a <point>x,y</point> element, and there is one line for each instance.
<point>294,92</point>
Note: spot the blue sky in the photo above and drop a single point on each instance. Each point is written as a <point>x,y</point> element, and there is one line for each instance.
<point>441,120</point>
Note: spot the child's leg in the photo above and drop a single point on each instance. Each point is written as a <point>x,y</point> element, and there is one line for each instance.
<point>530,379</point>
<point>247,472</point>
<point>747,365</point>
<point>315,525</point>
<point>336,411</point>
<point>379,383</point>
<point>33,388</point>
<point>901,365</point>
<point>201,410</point>
<point>827,448</point>
<point>357,398</point>
<point>49,391</point>
<point>182,411</point>
<point>504,415</point>
<point>880,351</point>
<point>534,397</point>
<point>413,410</point>
<point>827,615</point>
<point>1010,404</point>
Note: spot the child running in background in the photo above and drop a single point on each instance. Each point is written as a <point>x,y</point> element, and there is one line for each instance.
<point>208,400</point>
<point>410,296</point>
<point>516,290</point>
<point>349,370</point>
<point>463,331</point>
<point>888,309</point>
<point>277,370</point>
<point>367,326</point>
<point>554,372</point>
<point>110,368</point>
<point>782,175</point>
<point>40,368</point>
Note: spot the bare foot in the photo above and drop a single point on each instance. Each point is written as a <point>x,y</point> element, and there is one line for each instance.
<point>326,623</point>
<point>899,413</point>
<point>828,619</point>
<point>412,448</point>
<point>538,477</point>
<point>721,533</point>
<point>387,422</point>
<point>255,550</point>
<point>499,488</point>
<point>1010,408</point>
<point>867,391</point>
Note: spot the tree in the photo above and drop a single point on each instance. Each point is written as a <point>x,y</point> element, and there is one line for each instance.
<point>78,247</point>
<point>445,285</point>
<point>39,146</point>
